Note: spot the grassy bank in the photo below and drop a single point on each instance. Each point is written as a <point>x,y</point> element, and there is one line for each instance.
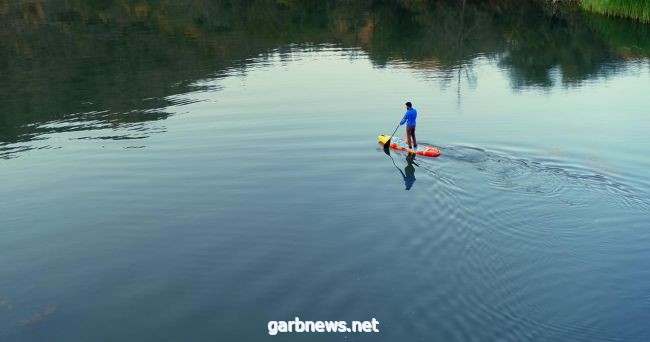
<point>635,9</point>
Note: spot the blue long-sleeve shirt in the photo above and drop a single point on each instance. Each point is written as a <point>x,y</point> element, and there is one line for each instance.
<point>409,117</point>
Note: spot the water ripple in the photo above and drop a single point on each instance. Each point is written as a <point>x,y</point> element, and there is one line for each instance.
<point>542,179</point>
<point>481,228</point>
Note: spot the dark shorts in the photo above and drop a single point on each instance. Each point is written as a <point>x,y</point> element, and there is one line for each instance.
<point>410,129</point>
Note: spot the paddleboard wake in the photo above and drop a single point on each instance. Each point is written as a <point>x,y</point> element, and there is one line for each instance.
<point>400,145</point>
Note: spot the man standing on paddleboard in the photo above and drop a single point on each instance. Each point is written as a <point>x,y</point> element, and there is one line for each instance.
<point>409,118</point>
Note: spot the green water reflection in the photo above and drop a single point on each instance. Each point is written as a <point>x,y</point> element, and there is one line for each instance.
<point>95,64</point>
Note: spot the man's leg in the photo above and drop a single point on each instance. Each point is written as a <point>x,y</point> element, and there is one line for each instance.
<point>408,136</point>
<point>415,142</point>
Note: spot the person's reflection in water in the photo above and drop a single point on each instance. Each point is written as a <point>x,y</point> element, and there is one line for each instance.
<point>409,171</point>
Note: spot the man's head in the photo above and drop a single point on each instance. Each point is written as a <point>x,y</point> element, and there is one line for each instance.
<point>409,105</point>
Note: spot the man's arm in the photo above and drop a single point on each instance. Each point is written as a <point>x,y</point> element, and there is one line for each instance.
<point>404,119</point>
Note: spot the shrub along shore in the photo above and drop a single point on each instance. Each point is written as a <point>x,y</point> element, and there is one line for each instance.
<point>635,9</point>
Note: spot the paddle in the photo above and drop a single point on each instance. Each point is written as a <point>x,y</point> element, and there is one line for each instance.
<point>387,144</point>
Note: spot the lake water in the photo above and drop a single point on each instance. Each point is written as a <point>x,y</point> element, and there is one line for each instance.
<point>192,171</point>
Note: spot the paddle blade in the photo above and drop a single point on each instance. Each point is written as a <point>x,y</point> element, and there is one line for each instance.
<point>387,147</point>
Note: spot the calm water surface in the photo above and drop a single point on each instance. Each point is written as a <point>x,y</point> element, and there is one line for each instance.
<point>190,177</point>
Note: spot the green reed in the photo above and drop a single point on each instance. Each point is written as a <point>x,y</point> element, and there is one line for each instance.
<point>636,9</point>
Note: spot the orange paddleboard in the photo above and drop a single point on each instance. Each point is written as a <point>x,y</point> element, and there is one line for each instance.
<point>400,145</point>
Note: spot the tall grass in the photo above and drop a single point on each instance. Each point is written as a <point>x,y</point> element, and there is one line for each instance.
<point>636,9</point>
